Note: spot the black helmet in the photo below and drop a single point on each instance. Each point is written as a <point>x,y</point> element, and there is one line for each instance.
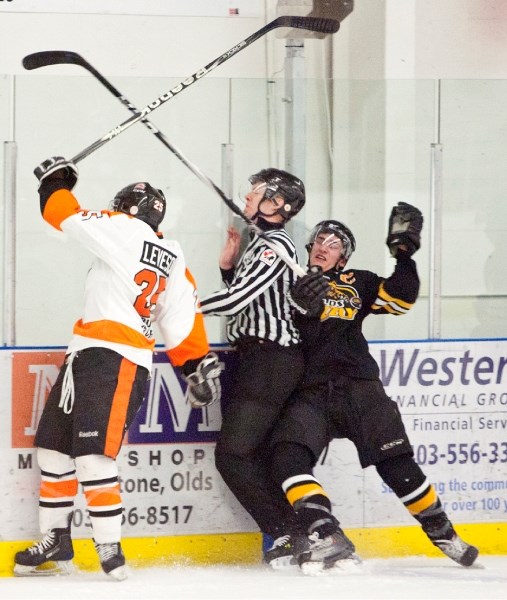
<point>281,183</point>
<point>142,201</point>
<point>340,230</point>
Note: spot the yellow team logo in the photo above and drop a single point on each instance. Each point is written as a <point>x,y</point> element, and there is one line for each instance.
<point>341,302</point>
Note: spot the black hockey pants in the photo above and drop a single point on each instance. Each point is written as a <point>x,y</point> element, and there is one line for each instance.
<point>267,374</point>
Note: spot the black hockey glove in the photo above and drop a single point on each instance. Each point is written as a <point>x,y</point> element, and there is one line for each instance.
<point>307,293</point>
<point>404,230</point>
<point>204,385</point>
<point>56,172</point>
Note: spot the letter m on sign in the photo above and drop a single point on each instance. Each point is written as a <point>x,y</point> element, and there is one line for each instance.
<point>166,415</point>
<point>33,375</point>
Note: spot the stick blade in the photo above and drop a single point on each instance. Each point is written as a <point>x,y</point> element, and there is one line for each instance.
<point>50,57</point>
<point>317,24</point>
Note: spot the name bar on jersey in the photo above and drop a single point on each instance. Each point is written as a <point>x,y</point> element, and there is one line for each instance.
<point>158,257</point>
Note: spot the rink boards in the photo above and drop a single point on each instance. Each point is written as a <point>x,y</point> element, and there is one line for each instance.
<point>453,398</point>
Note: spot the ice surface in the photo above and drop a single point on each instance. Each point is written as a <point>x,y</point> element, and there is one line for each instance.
<point>404,578</point>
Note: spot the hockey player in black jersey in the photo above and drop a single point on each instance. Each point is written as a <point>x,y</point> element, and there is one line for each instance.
<point>342,396</point>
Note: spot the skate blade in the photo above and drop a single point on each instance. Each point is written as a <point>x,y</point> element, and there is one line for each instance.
<point>342,566</point>
<point>346,565</point>
<point>50,568</point>
<point>283,563</point>
<point>475,565</point>
<point>313,568</point>
<point>118,574</point>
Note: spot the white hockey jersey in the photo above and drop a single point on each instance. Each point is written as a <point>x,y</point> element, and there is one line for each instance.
<point>136,277</point>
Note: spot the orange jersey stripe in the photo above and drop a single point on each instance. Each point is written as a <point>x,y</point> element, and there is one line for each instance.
<point>196,343</point>
<point>424,503</point>
<point>60,205</point>
<point>301,491</point>
<point>106,496</point>
<point>118,416</point>
<point>58,489</point>
<point>111,331</point>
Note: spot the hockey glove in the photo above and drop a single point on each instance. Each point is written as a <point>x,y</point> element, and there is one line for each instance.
<point>57,170</point>
<point>307,293</point>
<point>204,385</point>
<point>404,230</point>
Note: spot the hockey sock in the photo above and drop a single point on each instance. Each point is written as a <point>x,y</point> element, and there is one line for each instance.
<point>99,477</point>
<point>408,482</point>
<point>435,522</point>
<point>311,504</point>
<point>58,488</point>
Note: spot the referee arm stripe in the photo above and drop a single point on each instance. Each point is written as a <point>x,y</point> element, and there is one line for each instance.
<point>245,288</point>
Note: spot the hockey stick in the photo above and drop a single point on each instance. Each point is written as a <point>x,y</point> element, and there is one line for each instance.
<point>48,58</point>
<point>42,58</point>
<point>321,25</point>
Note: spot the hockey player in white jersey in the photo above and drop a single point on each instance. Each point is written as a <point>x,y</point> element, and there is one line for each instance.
<point>136,277</point>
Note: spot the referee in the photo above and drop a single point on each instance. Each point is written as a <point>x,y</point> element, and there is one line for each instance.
<point>261,328</point>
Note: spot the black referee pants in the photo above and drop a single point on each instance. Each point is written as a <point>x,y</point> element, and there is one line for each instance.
<point>266,375</point>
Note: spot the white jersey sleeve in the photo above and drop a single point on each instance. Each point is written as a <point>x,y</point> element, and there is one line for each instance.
<point>133,271</point>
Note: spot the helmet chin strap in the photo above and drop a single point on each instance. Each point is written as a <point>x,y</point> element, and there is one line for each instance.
<point>259,212</point>
<point>339,267</point>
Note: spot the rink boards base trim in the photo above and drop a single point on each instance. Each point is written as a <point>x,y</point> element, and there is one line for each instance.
<point>246,548</point>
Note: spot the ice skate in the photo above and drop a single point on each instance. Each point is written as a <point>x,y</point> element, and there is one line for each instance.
<point>281,554</point>
<point>441,533</point>
<point>456,549</point>
<point>51,556</point>
<point>323,553</point>
<point>112,560</point>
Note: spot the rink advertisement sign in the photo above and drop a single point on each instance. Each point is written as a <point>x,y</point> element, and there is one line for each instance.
<point>164,418</point>
<point>452,395</point>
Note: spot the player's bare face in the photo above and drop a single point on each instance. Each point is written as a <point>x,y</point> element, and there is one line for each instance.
<point>326,251</point>
<point>253,199</point>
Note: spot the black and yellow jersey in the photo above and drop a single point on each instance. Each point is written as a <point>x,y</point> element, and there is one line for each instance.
<point>334,342</point>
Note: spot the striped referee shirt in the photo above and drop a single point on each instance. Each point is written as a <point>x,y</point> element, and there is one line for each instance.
<point>255,296</point>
